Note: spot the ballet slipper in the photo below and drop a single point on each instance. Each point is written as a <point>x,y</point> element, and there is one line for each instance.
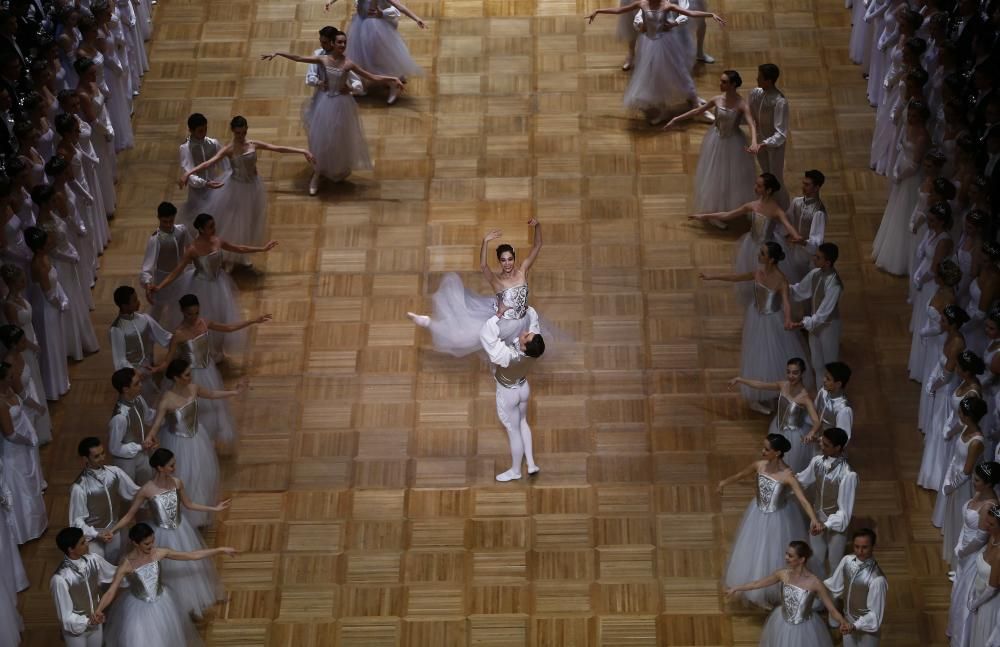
<point>421,320</point>
<point>314,184</point>
<point>534,469</point>
<point>509,475</point>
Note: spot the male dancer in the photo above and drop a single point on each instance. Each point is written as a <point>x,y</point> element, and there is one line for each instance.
<point>511,361</point>
<point>133,335</point>
<point>821,287</point>
<point>96,499</point>
<point>770,110</point>
<point>861,583</point>
<point>808,215</point>
<point>164,251</point>
<point>194,151</point>
<point>834,485</point>
<point>832,405</point>
<point>76,589</point>
<point>128,425</point>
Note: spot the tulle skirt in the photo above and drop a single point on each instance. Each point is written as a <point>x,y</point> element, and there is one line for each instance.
<point>165,307</point>
<point>214,415</point>
<point>336,137</point>
<point>625,29</point>
<point>239,209</point>
<point>195,583</point>
<point>780,633</point>
<point>759,549</point>
<point>198,468</point>
<point>891,249</point>
<point>375,45</point>
<point>161,623</point>
<point>219,299</point>
<point>767,347</point>
<point>459,315</point>
<point>725,175</point>
<point>661,77</point>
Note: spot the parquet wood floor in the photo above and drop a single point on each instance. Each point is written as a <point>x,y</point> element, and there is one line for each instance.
<point>363,493</point>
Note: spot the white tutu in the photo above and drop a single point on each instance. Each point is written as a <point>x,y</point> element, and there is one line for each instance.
<point>778,632</point>
<point>196,584</point>
<point>766,349</point>
<point>336,137</point>
<point>725,175</point>
<point>891,249</point>
<point>219,302</point>
<point>161,623</point>
<point>660,75</point>
<point>238,208</point>
<point>759,549</point>
<point>376,46</point>
<point>198,468</point>
<point>459,315</point>
<point>214,415</point>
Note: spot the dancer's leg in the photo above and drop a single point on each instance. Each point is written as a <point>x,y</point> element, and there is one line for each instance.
<point>509,412</point>
<point>529,456</point>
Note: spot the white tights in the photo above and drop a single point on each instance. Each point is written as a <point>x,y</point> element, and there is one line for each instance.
<point>512,409</point>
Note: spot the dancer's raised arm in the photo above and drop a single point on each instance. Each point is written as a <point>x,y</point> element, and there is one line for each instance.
<point>536,246</point>
<point>614,10</point>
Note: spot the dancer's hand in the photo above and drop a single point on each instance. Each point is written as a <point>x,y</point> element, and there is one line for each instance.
<point>263,319</point>
<point>421,23</point>
<point>846,628</point>
<point>590,18</point>
<point>271,244</point>
<point>501,307</point>
<point>213,184</point>
<point>222,505</point>
<point>268,57</point>
<point>670,124</point>
<point>721,487</point>
<point>492,235</point>
<point>730,592</point>
<point>183,181</point>
<point>533,222</point>
<point>242,386</point>
<point>326,7</point>
<point>229,551</point>
<point>704,277</point>
<point>733,382</point>
<point>816,528</point>
<point>717,18</point>
<point>753,148</point>
<point>697,216</point>
<point>310,158</point>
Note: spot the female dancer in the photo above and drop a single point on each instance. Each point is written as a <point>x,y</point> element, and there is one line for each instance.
<point>768,340</point>
<point>948,342</point>
<point>376,44</point>
<point>769,521</point>
<point>956,487</point>
<point>94,111</point>
<point>969,253</point>
<point>150,614</point>
<point>331,117</point>
<point>459,314</point>
<point>891,249</point>
<point>936,246</point>
<point>725,169</point>
<point>190,341</point>
<point>49,306</point>
<point>21,462</point>
<point>196,584</point>
<point>84,164</point>
<point>17,311</point>
<point>985,477</point>
<point>794,623</point>
<point>939,439</point>
<point>662,76</point>
<point>764,213</point>
<point>187,439</point>
<point>117,77</point>
<point>796,419</point>
<point>984,290</point>
<point>69,101</point>
<point>240,204</point>
<point>26,384</point>
<point>209,283</point>
<point>983,603</point>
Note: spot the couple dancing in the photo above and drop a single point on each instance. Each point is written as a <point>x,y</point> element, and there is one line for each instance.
<point>505,327</point>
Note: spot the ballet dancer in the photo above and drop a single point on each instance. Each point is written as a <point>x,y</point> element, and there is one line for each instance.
<point>77,587</point>
<point>864,588</point>
<point>770,113</point>
<point>133,335</point>
<point>196,150</point>
<point>808,215</point>
<point>127,428</point>
<point>97,499</point>
<point>822,288</point>
<point>164,251</point>
<point>831,403</point>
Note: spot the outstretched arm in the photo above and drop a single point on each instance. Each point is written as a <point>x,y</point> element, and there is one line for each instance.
<point>762,583</point>
<point>739,211</point>
<point>613,11</point>
<point>693,112</point>
<point>536,246</point>
<point>285,149</point>
<point>484,256</point>
<point>739,476</point>
<point>209,394</point>
<point>191,505</point>
<point>185,260</point>
<point>247,249</point>
<point>375,78</point>
<point>756,384</point>
<point>403,9</point>
<point>315,60</point>
<point>697,14</point>
<point>195,555</point>
<point>233,327</point>
<point>729,278</point>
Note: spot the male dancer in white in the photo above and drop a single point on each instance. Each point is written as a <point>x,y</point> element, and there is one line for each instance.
<point>834,485</point>
<point>164,251</point>
<point>133,335</point>
<point>128,426</point>
<point>96,499</point>
<point>700,29</point>
<point>861,583</point>
<point>821,287</point>
<point>511,361</point>
<point>197,149</point>
<point>831,402</point>
<point>770,112</point>
<point>808,215</point>
<point>76,590</point>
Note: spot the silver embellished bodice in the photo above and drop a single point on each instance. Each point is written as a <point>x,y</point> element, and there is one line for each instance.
<point>334,80</point>
<point>761,228</point>
<point>165,509</point>
<point>170,249</point>
<point>516,299</point>
<point>727,121</point>
<point>796,604</point>
<point>791,414</point>
<point>144,582</point>
<point>656,22</point>
<point>766,301</point>
<point>183,421</point>
<point>207,267</point>
<point>196,351</point>
<point>244,167</point>
<point>770,494</point>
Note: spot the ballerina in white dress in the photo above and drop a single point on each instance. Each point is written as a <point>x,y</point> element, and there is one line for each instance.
<point>956,486</point>
<point>939,439</point>
<point>27,382</point>
<point>769,340</point>
<point>239,206</point>
<point>983,602</point>
<point>50,318</point>
<point>796,418</point>
<point>935,247</point>
<point>150,613</point>
<point>336,137</point>
<point>196,583</point>
<point>769,522</point>
<point>661,79</point>
<point>21,461</point>
<point>725,172</point>
<point>945,343</point>
<point>795,623</point>
<point>459,314</point>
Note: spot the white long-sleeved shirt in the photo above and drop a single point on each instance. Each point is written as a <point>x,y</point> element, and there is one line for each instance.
<point>770,111</point>
<point>817,225</point>
<point>180,238</point>
<point>188,161</point>
<point>878,589</point>
<point>843,413</point>
<point>839,520</point>
<point>501,351</point>
<point>118,426</point>
<point>74,623</point>
<point>148,330</point>
<point>78,509</point>
<point>804,290</point>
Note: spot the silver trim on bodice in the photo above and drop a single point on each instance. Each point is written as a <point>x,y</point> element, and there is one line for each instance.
<point>516,300</point>
<point>796,604</point>
<point>144,582</point>
<point>165,509</point>
<point>207,267</point>
<point>183,421</point>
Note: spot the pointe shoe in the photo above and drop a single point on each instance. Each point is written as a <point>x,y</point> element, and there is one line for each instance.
<point>627,65</point>
<point>393,95</point>
<point>534,470</point>
<point>314,184</point>
<point>705,58</point>
<point>421,320</point>
<point>509,475</point>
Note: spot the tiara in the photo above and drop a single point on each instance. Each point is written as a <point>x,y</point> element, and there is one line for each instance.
<point>986,469</point>
<point>995,511</point>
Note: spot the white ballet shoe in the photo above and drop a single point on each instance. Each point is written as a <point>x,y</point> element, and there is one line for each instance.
<point>421,320</point>
<point>534,469</point>
<point>627,65</point>
<point>509,475</point>
<point>393,95</point>
<point>314,184</point>
<point>705,58</point>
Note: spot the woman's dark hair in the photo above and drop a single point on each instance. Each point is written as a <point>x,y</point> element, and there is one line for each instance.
<point>973,407</point>
<point>505,248</point>
<point>955,315</point>
<point>920,108</point>
<point>187,301</point>
<point>10,336</point>
<point>35,238</point>
<point>949,272</point>
<point>989,472</point>
<point>201,220</point>
<point>734,78</point>
<point>991,249</point>
<point>779,443</point>
<point>65,123</point>
<point>774,251</point>
<point>42,193</point>
<point>177,368</point>
<point>971,363</point>
<point>944,188</point>
<point>918,75</point>
<point>140,532</point>
<point>160,457</point>
<point>238,122</point>
<point>797,361</point>
<point>801,549</point>
<point>771,183</point>
<point>942,212</point>
<point>82,64</point>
